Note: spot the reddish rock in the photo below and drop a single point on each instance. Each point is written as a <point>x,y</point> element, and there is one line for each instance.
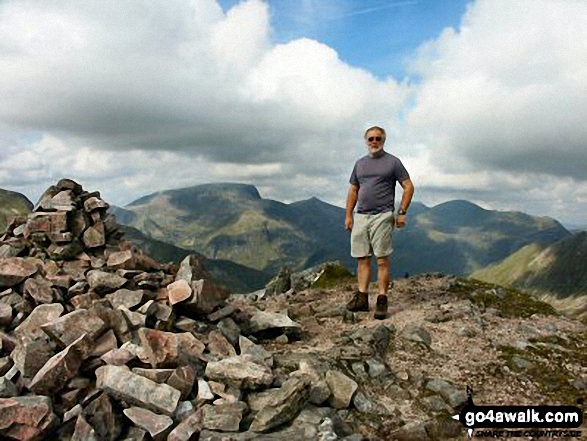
<point>187,428</point>
<point>121,260</point>
<point>70,327</point>
<point>183,379</point>
<point>178,292</point>
<point>219,345</point>
<point>41,222</point>
<point>104,344</point>
<point>166,349</point>
<point>14,270</point>
<point>155,424</point>
<point>39,289</point>
<point>30,329</point>
<point>26,418</point>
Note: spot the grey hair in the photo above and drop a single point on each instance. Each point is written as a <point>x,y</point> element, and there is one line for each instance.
<point>375,128</point>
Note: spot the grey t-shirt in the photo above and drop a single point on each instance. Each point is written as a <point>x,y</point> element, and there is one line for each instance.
<point>376,178</point>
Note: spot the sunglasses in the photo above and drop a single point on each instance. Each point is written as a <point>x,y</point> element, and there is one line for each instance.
<point>374,138</point>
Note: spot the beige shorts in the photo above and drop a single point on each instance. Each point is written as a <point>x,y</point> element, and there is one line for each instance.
<point>371,234</point>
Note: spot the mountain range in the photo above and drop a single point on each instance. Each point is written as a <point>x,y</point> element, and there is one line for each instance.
<point>233,222</point>
<point>247,239</point>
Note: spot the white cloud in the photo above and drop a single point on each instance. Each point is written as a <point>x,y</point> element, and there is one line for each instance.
<point>506,91</point>
<point>131,98</point>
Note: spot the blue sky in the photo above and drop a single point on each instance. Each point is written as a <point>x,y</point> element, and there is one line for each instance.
<point>377,35</point>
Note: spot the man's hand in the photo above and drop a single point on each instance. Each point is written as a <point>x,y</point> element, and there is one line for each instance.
<point>348,223</point>
<point>400,221</point>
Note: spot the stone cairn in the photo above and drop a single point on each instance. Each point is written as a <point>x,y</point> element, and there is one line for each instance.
<point>100,342</point>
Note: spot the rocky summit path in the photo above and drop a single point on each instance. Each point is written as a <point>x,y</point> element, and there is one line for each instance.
<point>443,333</point>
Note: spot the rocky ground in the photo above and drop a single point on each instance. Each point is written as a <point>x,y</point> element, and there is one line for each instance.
<point>100,342</point>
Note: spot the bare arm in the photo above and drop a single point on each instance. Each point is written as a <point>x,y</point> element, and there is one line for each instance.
<point>407,195</point>
<point>406,200</point>
<point>351,202</point>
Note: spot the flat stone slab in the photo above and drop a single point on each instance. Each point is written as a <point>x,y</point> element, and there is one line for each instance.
<point>135,389</point>
<point>30,329</point>
<point>60,368</point>
<point>342,387</point>
<point>225,417</point>
<point>70,327</point>
<point>281,406</point>
<point>14,270</point>
<point>263,320</point>
<point>102,281</point>
<point>178,291</point>
<point>240,371</point>
<point>151,422</point>
<point>126,297</point>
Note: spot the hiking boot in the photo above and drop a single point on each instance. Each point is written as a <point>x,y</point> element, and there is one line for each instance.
<point>359,302</point>
<point>381,307</point>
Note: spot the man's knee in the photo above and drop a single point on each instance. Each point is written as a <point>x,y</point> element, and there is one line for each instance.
<point>383,261</point>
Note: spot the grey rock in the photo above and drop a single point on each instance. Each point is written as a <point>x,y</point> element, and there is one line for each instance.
<point>256,352</point>
<point>101,281</point>
<point>342,387</point>
<point>435,403</point>
<point>155,424</point>
<point>452,395</point>
<point>222,313</point>
<point>125,385</point>
<point>39,289</point>
<point>376,368</point>
<point>226,417</point>
<point>263,320</point>
<point>204,392</point>
<point>282,406</point>
<point>240,371</point>
<point>126,298</point>
<point>230,330</point>
<point>418,335</point>
<point>522,363</point>
<point>7,388</point>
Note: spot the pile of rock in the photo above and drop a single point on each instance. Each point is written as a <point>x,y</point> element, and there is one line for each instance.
<point>98,341</point>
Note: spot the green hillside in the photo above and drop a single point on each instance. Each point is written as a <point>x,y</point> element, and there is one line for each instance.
<point>12,204</point>
<point>232,222</point>
<point>558,269</point>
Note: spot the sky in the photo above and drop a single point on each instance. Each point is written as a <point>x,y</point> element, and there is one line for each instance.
<point>482,100</point>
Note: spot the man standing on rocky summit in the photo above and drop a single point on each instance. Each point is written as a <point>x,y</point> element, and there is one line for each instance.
<point>373,185</point>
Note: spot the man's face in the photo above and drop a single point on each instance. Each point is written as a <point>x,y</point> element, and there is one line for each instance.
<point>375,141</point>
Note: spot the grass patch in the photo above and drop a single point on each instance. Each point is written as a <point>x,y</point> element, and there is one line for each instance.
<point>509,301</point>
<point>549,357</point>
<point>333,276</point>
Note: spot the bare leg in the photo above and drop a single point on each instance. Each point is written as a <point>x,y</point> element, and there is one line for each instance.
<point>364,273</point>
<point>383,274</point>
